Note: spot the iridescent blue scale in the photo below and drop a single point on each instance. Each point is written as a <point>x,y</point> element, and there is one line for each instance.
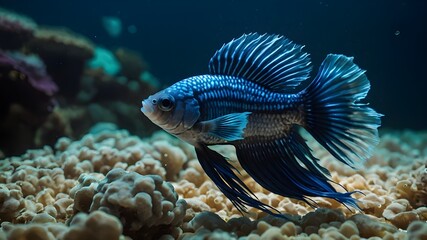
<point>235,95</point>
<point>249,100</point>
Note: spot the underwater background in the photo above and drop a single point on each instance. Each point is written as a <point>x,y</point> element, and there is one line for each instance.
<point>72,77</point>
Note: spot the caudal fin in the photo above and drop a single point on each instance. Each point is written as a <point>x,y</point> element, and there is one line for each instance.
<point>347,128</point>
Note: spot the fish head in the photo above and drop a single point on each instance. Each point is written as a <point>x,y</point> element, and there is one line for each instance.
<point>172,109</point>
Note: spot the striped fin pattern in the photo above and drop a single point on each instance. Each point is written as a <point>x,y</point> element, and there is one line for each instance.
<point>272,61</point>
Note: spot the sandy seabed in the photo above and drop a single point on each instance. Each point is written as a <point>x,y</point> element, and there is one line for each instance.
<point>111,185</point>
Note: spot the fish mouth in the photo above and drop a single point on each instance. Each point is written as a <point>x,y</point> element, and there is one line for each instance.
<point>147,108</point>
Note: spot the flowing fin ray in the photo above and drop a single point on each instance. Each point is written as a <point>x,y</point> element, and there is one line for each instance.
<point>286,167</point>
<point>221,173</point>
<point>228,127</point>
<point>272,61</point>
<point>347,128</point>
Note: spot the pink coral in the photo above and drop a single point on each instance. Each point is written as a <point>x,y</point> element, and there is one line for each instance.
<point>26,100</point>
<point>25,76</point>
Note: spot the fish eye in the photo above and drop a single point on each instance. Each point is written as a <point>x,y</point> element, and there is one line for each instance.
<point>166,104</point>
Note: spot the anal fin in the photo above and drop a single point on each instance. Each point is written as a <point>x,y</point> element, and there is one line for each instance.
<point>221,173</point>
<point>285,166</point>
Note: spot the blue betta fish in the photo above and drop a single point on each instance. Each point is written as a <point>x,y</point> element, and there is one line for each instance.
<point>246,101</point>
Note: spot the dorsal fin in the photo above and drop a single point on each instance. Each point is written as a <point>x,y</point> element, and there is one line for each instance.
<point>272,61</point>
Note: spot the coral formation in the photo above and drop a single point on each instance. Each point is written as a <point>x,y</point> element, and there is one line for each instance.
<point>47,90</point>
<point>15,29</point>
<point>112,185</point>
<point>132,63</point>
<point>23,80</point>
<point>147,206</point>
<point>115,183</point>
<point>64,53</point>
<point>26,100</point>
<point>96,225</point>
<point>105,60</point>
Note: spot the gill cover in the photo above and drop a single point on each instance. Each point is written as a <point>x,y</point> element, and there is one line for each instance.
<point>185,115</point>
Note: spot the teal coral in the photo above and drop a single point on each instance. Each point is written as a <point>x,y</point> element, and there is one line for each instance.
<point>105,60</point>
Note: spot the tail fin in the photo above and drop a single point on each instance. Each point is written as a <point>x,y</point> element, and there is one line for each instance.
<point>334,117</point>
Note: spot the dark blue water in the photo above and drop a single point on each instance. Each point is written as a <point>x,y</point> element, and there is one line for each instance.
<point>388,38</point>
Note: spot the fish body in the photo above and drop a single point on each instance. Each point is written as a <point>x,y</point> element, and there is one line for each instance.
<point>248,100</point>
<point>271,115</point>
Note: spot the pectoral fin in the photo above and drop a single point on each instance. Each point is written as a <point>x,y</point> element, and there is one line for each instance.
<point>229,127</point>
